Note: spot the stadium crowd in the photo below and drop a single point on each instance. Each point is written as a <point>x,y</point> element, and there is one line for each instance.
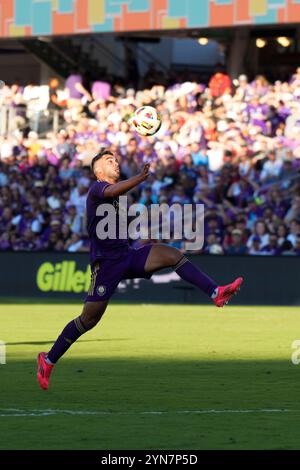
<point>234,147</point>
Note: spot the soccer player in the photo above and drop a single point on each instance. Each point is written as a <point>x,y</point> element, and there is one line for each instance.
<point>113,260</point>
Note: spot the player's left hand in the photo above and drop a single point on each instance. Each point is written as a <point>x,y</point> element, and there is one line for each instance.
<point>145,172</point>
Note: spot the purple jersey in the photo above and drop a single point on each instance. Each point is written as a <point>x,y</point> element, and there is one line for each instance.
<point>71,82</point>
<point>103,248</point>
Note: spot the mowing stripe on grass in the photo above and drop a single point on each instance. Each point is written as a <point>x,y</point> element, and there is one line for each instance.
<point>12,412</point>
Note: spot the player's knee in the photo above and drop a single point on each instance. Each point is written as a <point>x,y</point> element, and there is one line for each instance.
<point>173,256</point>
<point>176,256</point>
<point>91,319</point>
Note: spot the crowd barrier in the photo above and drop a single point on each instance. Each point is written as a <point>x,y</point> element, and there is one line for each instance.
<point>40,121</point>
<point>66,276</point>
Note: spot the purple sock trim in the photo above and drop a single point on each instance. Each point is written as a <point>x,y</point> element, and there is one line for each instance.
<point>188,272</point>
<point>68,336</point>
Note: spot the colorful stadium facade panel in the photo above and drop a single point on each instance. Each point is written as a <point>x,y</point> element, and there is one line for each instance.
<point>19,18</point>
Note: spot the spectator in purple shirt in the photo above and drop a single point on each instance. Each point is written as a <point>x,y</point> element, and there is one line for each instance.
<point>76,90</point>
<point>101,90</point>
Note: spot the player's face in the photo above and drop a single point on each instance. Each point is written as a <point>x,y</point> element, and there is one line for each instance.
<point>108,168</point>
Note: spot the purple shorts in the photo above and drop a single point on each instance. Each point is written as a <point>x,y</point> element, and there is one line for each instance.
<point>107,273</point>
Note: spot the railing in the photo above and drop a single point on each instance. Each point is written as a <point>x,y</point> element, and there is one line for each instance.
<point>40,121</point>
<point>7,120</point>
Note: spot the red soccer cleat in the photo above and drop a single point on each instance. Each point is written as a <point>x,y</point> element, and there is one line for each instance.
<point>226,292</point>
<point>44,371</point>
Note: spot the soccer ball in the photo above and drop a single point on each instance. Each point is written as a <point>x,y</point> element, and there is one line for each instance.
<point>146,121</point>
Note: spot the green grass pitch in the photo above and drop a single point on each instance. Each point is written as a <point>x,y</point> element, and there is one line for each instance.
<point>153,377</point>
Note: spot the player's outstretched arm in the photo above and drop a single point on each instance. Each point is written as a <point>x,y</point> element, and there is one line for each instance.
<point>117,189</point>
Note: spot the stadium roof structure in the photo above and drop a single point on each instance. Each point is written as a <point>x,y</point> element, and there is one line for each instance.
<point>27,18</point>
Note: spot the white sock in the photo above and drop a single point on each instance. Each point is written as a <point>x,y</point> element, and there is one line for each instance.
<point>215,293</point>
<point>49,362</point>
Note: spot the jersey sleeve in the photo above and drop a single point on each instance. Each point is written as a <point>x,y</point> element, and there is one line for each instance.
<point>97,191</point>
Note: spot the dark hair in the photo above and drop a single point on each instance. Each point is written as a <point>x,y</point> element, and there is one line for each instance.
<point>100,155</point>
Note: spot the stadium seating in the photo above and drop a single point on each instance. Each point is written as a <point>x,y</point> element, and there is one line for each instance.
<point>234,148</point>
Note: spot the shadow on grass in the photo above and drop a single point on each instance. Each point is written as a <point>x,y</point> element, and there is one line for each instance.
<point>51,341</point>
<point>62,301</point>
<point>151,404</point>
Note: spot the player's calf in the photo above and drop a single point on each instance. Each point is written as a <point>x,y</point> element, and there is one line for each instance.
<point>92,313</point>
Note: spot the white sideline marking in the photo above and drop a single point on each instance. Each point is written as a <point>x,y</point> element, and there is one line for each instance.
<point>15,412</point>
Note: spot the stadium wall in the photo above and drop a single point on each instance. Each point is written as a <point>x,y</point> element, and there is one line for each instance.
<point>66,277</point>
<point>21,18</point>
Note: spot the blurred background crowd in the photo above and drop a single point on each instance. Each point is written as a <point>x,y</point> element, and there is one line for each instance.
<point>233,146</point>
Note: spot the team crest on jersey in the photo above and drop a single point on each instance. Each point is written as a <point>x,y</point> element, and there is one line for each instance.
<point>101,290</point>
